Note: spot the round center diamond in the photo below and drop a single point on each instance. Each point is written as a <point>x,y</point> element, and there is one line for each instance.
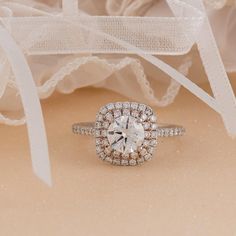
<point>125,135</point>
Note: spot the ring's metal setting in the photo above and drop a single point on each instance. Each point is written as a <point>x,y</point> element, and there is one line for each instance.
<point>126,133</point>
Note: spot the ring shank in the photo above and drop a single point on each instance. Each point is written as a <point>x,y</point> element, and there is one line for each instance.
<point>163,130</point>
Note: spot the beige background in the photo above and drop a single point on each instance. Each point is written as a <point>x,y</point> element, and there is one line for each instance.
<point>188,189</point>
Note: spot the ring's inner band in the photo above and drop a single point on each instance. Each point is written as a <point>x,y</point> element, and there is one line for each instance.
<point>163,130</point>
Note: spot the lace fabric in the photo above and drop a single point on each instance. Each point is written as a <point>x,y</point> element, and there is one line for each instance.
<point>46,69</point>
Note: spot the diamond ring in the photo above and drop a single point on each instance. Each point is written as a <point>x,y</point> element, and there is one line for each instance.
<point>126,133</point>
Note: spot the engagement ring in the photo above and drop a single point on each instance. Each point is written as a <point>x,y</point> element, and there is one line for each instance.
<point>126,133</point>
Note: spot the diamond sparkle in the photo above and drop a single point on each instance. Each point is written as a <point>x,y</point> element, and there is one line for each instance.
<point>125,135</point>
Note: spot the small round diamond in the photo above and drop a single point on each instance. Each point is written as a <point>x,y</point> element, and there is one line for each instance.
<point>142,107</point>
<point>105,124</point>
<point>134,105</point>
<point>153,118</point>
<point>98,125</point>
<point>99,141</point>
<point>154,126</point>
<point>147,157</point>
<point>146,143</point>
<point>171,133</point>
<point>150,150</point>
<point>143,117</point>
<point>153,142</point>
<point>146,125</point>
<point>124,162</point>
<point>116,162</point>
<point>105,142</point>
<point>143,152</point>
<point>103,133</point>
<point>140,160</point>
<point>126,112</point>
<point>109,116</point>
<point>135,113</point>
<point>148,111</point>
<point>108,151</point>
<point>117,113</point>
<point>98,149</point>
<point>134,155</point>
<point>126,105</point>
<point>176,131</point>
<point>103,110</point>
<point>116,154</point>
<point>102,155</point>
<point>100,117</point>
<point>110,106</point>
<point>132,162</point>
<point>118,105</point>
<point>108,159</point>
<point>147,134</point>
<point>125,156</point>
<point>154,134</point>
<point>97,133</point>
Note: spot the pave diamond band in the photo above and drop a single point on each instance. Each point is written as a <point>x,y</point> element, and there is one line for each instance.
<point>126,133</point>
<point>163,130</point>
<point>84,128</point>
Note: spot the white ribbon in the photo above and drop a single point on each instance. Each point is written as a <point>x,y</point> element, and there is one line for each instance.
<point>217,76</point>
<point>153,35</point>
<point>70,7</point>
<point>144,36</point>
<point>30,100</point>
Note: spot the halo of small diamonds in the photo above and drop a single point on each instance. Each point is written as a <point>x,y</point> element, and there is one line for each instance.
<point>142,121</point>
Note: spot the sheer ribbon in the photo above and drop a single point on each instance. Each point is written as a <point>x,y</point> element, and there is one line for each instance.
<point>30,100</point>
<point>145,36</point>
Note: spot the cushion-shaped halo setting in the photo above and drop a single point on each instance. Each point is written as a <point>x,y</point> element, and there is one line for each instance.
<point>125,133</point>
